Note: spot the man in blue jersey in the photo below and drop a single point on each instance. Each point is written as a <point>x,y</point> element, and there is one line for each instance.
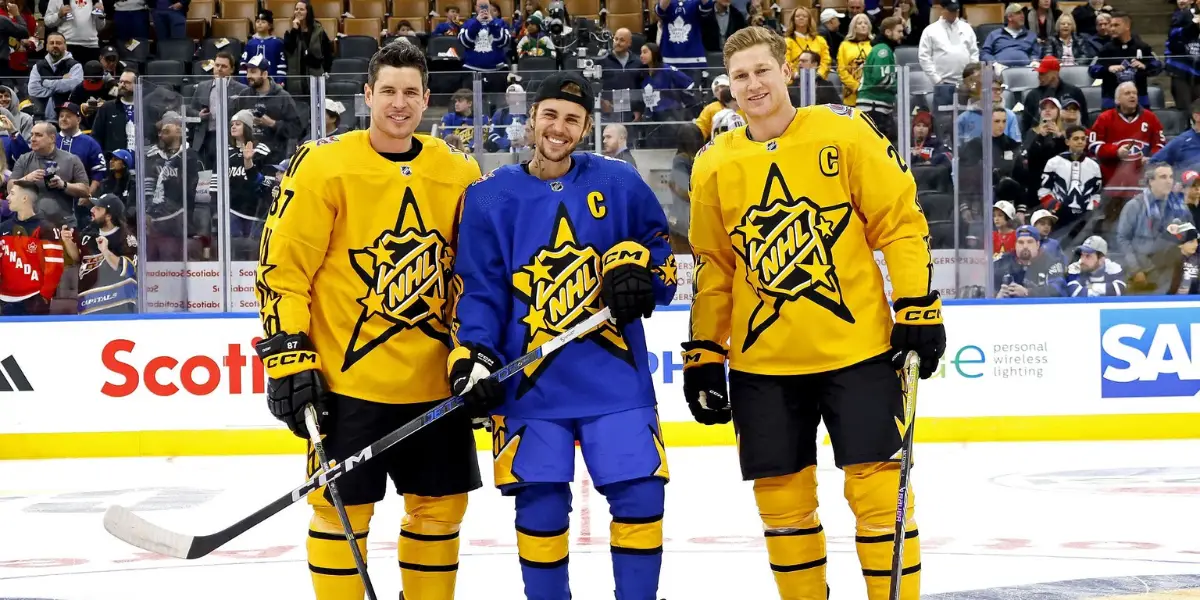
<point>679,31</point>
<point>543,246</point>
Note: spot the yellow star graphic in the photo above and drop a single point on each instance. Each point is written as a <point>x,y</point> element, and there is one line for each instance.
<point>536,319</point>
<point>372,303</point>
<point>435,304</point>
<point>825,226</point>
<point>750,231</point>
<point>447,261</point>
<point>539,271</point>
<point>669,269</point>
<point>818,273</point>
<point>380,255</point>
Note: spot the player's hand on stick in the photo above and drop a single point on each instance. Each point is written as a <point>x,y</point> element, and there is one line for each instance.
<point>704,385</point>
<point>470,367</point>
<point>919,328</point>
<point>294,380</point>
<point>628,285</point>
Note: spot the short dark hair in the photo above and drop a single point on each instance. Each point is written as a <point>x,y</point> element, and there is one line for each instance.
<point>56,32</point>
<point>890,22</point>
<point>30,186</point>
<point>398,54</point>
<point>1072,129</point>
<point>1000,109</point>
<point>1120,14</point>
<point>227,56</point>
<point>813,56</point>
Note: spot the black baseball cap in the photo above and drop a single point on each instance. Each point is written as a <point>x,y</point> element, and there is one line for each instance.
<point>71,106</point>
<point>108,51</point>
<point>950,5</point>
<point>110,203</point>
<point>552,88</point>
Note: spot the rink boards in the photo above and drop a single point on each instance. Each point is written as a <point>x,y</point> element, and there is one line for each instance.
<point>170,385</point>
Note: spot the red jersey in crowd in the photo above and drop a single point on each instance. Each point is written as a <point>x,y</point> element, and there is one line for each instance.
<point>31,259</point>
<point>1142,133</point>
<point>1003,242</point>
<point>18,58</point>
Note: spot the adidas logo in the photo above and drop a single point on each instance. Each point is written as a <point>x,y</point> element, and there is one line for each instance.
<point>10,371</point>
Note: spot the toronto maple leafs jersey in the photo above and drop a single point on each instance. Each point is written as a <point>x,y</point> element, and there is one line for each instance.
<point>486,44</point>
<point>679,32</point>
<point>357,253</point>
<point>783,233</point>
<point>1108,280</point>
<point>1070,187</point>
<point>529,259</point>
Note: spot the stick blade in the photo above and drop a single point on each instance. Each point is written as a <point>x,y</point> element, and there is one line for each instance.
<point>136,531</point>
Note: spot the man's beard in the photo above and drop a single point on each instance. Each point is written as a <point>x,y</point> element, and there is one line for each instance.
<point>1025,255</point>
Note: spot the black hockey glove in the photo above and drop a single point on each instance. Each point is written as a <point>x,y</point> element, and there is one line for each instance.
<point>470,366</point>
<point>294,380</point>
<point>919,327</point>
<point>704,385</point>
<point>628,285</point>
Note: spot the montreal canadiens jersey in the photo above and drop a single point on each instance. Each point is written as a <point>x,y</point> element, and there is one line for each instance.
<point>529,258</point>
<point>1142,134</point>
<point>783,232</point>
<point>358,252</point>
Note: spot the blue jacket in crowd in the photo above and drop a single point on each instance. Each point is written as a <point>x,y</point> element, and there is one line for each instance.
<point>499,134</point>
<point>88,151</point>
<point>1183,152</point>
<point>663,88</point>
<point>1009,50</point>
<point>1183,51</point>
<point>486,44</point>
<point>271,48</point>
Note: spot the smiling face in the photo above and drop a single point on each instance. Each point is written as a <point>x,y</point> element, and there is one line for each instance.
<point>397,101</point>
<point>558,127</point>
<point>758,81</point>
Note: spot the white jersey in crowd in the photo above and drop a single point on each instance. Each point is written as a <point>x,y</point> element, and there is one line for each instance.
<point>1108,280</point>
<point>946,49</point>
<point>1074,183</point>
<point>725,120</point>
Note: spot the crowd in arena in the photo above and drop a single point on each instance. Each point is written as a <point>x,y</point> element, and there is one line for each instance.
<point>1094,180</point>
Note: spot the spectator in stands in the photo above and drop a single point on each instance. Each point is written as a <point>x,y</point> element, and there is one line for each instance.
<point>119,180</point>
<point>1187,276</point>
<point>265,43</point>
<point>1125,58</point>
<point>486,41</point>
<point>14,144</point>
<point>1071,114</point>
<point>92,93</point>
<point>905,10</point>
<point>946,48</point>
<point>308,47</point>
<point>877,92</point>
<point>1042,18</point>
<point>32,252</point>
<point>170,19</point>
<point>507,133</point>
<point>333,118</point>
<point>1004,232</point>
<point>852,55</point>
<point>705,121</point>
<point>10,106</point>
<point>203,103</point>
<point>452,25</point>
<point>1183,152</point>
<point>680,34</point>
<point>106,248</point>
<point>801,37</point>
<point>621,71</point>
<point>927,149</point>
<point>1043,141</point>
<point>1044,221</point>
<point>18,47</point>
<point>1102,37</point>
<point>1122,140</point>
<point>615,143</point>
<point>250,163</point>
<point>717,25</point>
<point>730,117</point>
<point>59,175</point>
<point>112,63</point>
<point>1027,271</point>
<point>1085,16</point>
<point>1183,55</point>
<point>1012,45</point>
<point>80,23</point>
<point>1148,248</point>
<point>680,206</point>
<point>853,9</point>
<point>1094,274</point>
<point>1068,46</point>
<point>170,177</point>
<point>131,20</point>
<point>1009,170</point>
<point>971,122</point>
<point>276,122</point>
<point>826,92</point>
<point>80,144</point>
<point>664,88</point>
<point>54,78</point>
<point>1191,193</point>
<point>830,29</point>
<point>405,29</point>
<point>1071,184</point>
<point>769,18</point>
<point>535,42</point>
<point>1050,85</point>
<point>462,121</point>
<point>114,124</point>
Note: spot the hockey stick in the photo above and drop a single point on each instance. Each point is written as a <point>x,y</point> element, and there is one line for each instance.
<point>314,436</point>
<point>127,526</point>
<point>912,374</point>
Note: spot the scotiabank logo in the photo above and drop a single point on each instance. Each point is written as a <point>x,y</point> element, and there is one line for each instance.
<point>198,375</point>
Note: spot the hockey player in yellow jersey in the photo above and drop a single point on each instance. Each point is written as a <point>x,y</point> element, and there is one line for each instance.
<point>355,288</point>
<point>786,214</point>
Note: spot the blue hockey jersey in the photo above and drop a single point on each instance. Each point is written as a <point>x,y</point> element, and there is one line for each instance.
<point>529,266</point>
<point>485,44</point>
<point>88,151</point>
<point>679,32</point>
<point>270,48</point>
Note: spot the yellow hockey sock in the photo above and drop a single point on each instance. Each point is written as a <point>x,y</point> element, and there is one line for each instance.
<point>871,490</point>
<point>428,545</point>
<point>795,538</point>
<point>330,560</point>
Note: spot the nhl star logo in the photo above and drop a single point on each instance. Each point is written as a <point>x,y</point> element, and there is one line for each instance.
<point>772,146</point>
<point>557,186</point>
<point>406,170</point>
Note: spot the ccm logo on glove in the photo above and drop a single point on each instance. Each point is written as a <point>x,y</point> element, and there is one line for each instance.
<point>920,316</point>
<point>626,253</point>
<point>288,363</point>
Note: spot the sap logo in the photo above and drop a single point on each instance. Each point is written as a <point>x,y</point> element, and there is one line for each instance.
<point>1149,353</point>
<point>670,364</point>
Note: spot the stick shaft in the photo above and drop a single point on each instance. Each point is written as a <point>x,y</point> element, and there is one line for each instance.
<point>912,370</point>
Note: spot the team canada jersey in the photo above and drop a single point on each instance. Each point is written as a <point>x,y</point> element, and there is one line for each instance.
<point>1142,132</point>
<point>679,32</point>
<point>31,259</point>
<point>1070,187</point>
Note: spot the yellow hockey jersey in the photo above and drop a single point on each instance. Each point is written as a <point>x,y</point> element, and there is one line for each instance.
<point>358,252</point>
<point>783,233</point>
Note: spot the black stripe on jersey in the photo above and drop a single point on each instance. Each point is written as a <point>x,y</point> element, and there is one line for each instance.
<point>425,537</point>
<point>525,562</point>
<point>429,568</point>
<point>328,571</point>
<point>800,567</point>
<point>296,160</point>
<point>888,572</point>
<point>792,532</point>
<point>333,537</point>
<point>636,551</point>
<point>875,539</point>
<point>638,520</point>
<point>542,534</point>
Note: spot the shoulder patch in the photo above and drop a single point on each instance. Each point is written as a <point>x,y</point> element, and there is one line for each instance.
<point>882,52</point>
<point>705,147</point>
<point>484,178</point>
<point>326,140</point>
<point>840,110</point>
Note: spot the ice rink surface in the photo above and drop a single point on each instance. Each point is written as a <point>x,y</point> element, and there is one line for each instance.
<point>997,521</point>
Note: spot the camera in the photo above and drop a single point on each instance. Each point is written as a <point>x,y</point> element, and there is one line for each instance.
<point>258,113</point>
<point>557,16</point>
<point>589,68</point>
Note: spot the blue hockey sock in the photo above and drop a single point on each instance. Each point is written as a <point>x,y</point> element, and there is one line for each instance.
<point>543,520</point>
<point>636,535</point>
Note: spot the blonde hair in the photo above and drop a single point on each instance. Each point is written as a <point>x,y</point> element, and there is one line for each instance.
<point>750,37</point>
<point>812,23</point>
<point>1066,18</point>
<point>853,35</point>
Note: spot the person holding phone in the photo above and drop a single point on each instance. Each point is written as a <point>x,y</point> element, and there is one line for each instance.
<point>486,40</point>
